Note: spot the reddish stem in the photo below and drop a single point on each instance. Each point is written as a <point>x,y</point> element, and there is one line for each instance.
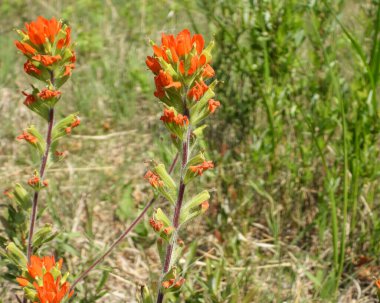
<point>177,210</point>
<point>42,172</point>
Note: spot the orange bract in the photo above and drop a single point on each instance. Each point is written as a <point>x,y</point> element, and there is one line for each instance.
<point>42,30</point>
<point>27,137</point>
<point>164,80</point>
<point>52,291</point>
<point>197,91</point>
<point>170,117</point>
<point>29,99</point>
<point>213,105</point>
<point>153,179</point>
<point>49,290</point>
<point>179,46</point>
<point>46,59</point>
<point>48,94</point>
<point>30,68</point>
<point>199,169</point>
<point>25,48</point>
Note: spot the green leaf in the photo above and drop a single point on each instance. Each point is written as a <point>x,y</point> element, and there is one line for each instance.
<point>22,197</point>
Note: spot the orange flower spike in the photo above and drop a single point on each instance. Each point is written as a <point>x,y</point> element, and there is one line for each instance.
<point>29,68</point>
<point>25,48</point>
<point>213,105</point>
<point>27,137</point>
<point>48,94</point>
<point>377,283</point>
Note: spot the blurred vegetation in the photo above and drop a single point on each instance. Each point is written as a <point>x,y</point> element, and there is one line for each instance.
<point>295,211</point>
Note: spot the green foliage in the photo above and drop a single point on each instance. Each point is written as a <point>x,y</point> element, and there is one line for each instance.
<point>285,67</point>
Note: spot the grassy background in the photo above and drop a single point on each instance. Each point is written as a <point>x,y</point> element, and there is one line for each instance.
<point>295,143</point>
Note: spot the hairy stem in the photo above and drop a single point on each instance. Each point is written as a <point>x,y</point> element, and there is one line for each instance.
<point>177,210</point>
<point>42,172</point>
<point>121,237</point>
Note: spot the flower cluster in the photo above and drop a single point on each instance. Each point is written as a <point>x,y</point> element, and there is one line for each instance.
<point>50,58</point>
<point>27,137</point>
<point>43,280</point>
<point>181,67</point>
<point>199,169</point>
<point>153,179</point>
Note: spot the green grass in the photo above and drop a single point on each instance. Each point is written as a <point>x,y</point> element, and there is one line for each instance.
<point>295,198</point>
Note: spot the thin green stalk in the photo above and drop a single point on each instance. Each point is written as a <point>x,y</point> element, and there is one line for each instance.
<point>345,138</point>
<point>355,176</point>
<point>331,195</point>
<point>345,189</point>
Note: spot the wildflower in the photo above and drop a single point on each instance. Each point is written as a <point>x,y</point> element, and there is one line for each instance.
<point>213,105</point>
<point>30,99</point>
<point>179,47</point>
<point>197,91</point>
<point>164,80</point>
<point>171,282</point>
<point>153,64</point>
<point>40,277</point>
<point>73,125</point>
<point>156,224</point>
<point>170,117</point>
<point>27,137</point>
<point>68,69</point>
<point>34,181</point>
<point>153,179</point>
<point>42,30</point>
<point>199,169</point>
<point>48,94</point>
<point>30,68</point>
<point>208,72</point>
<point>47,60</point>
<point>25,48</point>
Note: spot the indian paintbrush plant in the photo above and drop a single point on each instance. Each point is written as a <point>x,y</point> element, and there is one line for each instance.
<point>183,75</point>
<point>50,58</point>
<point>181,71</point>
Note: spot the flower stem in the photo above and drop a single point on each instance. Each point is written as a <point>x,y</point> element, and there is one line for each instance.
<point>42,172</point>
<point>177,210</point>
<point>121,237</point>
